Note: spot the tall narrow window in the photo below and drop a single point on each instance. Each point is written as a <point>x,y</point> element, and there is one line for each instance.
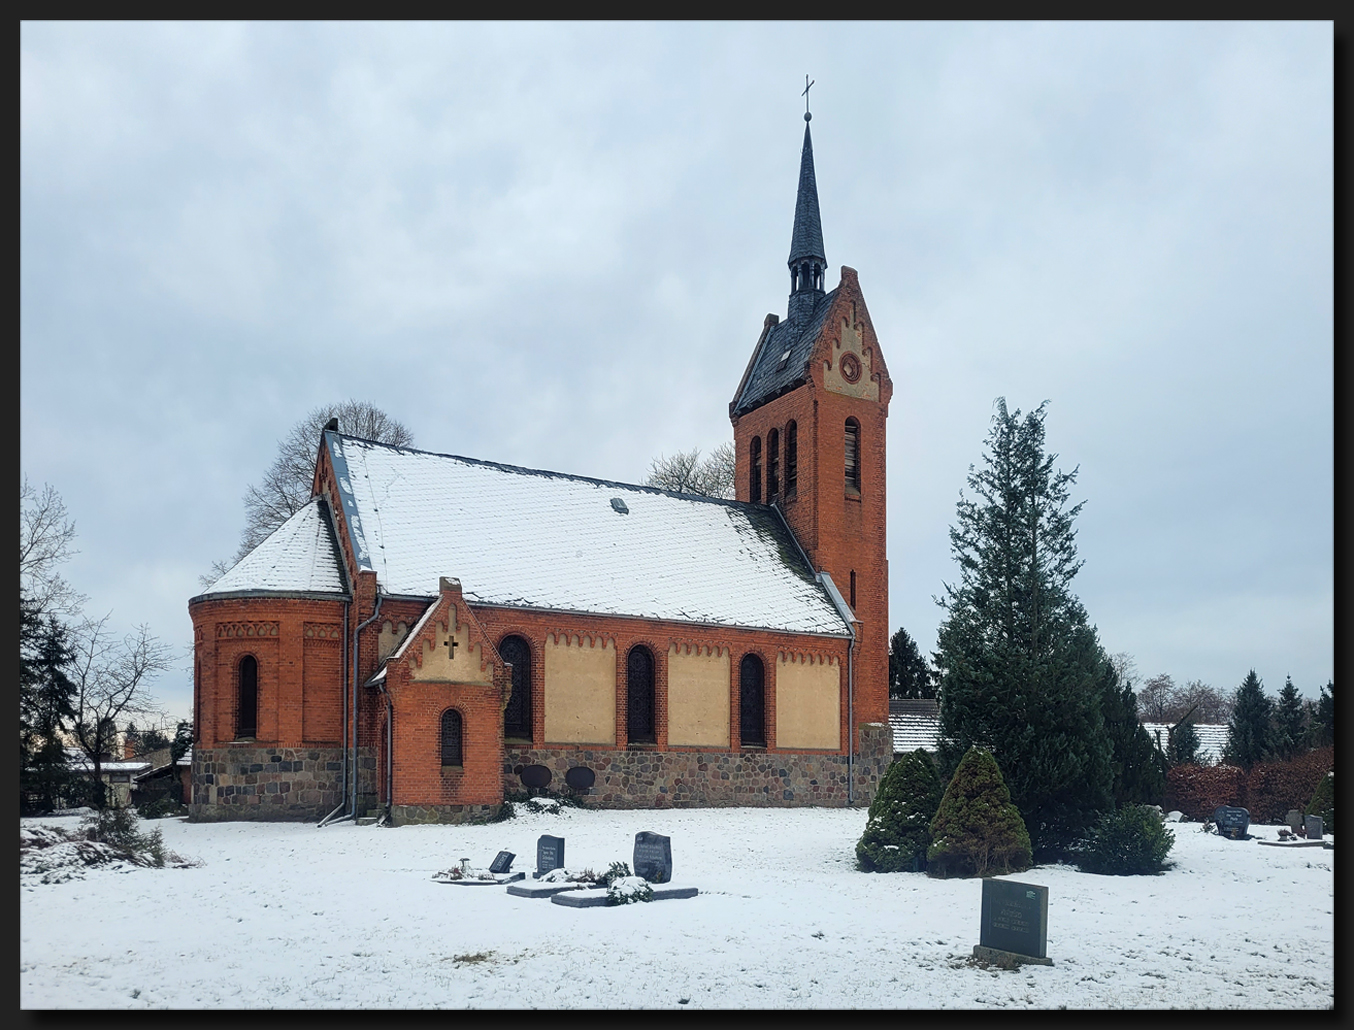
<point>639,678</point>
<point>453,730</point>
<point>517,716</point>
<point>751,700</point>
<point>852,456</point>
<point>791,459</point>
<point>853,589</point>
<point>755,471</point>
<point>772,464</point>
<point>247,708</point>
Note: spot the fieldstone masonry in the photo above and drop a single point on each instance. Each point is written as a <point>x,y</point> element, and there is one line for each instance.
<point>271,783</point>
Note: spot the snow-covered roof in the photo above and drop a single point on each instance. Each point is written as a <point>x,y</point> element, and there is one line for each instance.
<point>1212,738</point>
<point>83,764</point>
<point>525,538</point>
<point>915,724</point>
<point>298,557</point>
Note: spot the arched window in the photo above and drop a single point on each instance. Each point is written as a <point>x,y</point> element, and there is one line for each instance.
<point>755,471</point>
<point>791,458</point>
<point>852,456</point>
<point>853,589</point>
<point>772,464</point>
<point>247,706</point>
<point>452,732</point>
<point>751,700</point>
<point>517,716</point>
<point>639,723</point>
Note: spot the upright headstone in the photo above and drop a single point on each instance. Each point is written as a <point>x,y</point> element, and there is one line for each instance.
<point>653,857</point>
<point>1316,829</point>
<point>549,853</point>
<point>1294,820</point>
<point>1232,822</point>
<point>502,862</point>
<point>1014,920</point>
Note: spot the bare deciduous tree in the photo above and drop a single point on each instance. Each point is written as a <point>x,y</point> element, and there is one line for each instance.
<point>285,487</point>
<point>46,540</point>
<point>110,677</point>
<point>685,472</point>
<point>1155,698</point>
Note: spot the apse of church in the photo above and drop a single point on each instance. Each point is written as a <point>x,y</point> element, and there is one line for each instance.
<point>409,664</point>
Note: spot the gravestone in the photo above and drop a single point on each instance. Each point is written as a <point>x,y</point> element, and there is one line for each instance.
<point>502,862</point>
<point>1014,922</point>
<point>653,857</point>
<point>1232,822</point>
<point>580,777</point>
<point>549,853</point>
<point>1316,829</point>
<point>537,776</point>
<point>1293,819</point>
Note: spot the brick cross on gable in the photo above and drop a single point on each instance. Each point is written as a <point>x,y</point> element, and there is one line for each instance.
<point>451,646</point>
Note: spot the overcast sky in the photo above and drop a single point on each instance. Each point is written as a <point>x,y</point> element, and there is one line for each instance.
<point>553,245</point>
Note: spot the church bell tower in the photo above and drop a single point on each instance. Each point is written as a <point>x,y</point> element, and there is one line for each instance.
<point>809,420</point>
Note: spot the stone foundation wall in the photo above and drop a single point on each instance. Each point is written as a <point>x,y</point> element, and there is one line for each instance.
<point>407,815</point>
<point>650,778</point>
<point>242,781</point>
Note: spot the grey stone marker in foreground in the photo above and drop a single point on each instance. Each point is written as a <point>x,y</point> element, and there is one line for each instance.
<point>1014,923</point>
<point>549,853</point>
<point>1316,829</point>
<point>653,857</point>
<point>502,862</point>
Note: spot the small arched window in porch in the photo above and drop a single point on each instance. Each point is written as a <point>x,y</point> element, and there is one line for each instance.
<point>247,699</point>
<point>452,734</point>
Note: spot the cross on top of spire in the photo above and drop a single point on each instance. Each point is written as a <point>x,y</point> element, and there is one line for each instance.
<point>807,86</point>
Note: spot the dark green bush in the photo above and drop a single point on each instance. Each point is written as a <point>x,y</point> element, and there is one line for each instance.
<point>162,808</point>
<point>119,827</point>
<point>1130,842</point>
<point>977,831</point>
<point>898,830</point>
<point>1323,802</point>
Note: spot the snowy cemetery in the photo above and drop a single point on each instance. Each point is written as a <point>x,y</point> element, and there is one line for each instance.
<point>747,908</point>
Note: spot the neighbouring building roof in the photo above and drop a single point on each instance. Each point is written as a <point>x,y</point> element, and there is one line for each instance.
<point>526,538</point>
<point>298,557</point>
<point>915,724</point>
<point>1212,738</point>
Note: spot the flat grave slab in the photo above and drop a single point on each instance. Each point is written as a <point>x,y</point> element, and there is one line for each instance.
<point>1293,843</point>
<point>542,890</point>
<point>498,880</point>
<point>596,897</point>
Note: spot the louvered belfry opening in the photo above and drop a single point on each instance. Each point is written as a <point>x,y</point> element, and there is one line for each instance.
<point>247,706</point>
<point>517,716</point>
<point>791,459</point>
<point>639,683</point>
<point>852,455</point>
<point>755,471</point>
<point>751,701</point>
<point>772,464</point>
<point>452,732</point>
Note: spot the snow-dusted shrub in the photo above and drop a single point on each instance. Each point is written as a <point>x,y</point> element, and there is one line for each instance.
<point>898,830</point>
<point>624,888</point>
<point>977,831</point>
<point>1129,842</point>
<point>1323,802</point>
<point>119,827</point>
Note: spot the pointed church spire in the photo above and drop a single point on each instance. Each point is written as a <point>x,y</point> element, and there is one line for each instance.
<point>807,261</point>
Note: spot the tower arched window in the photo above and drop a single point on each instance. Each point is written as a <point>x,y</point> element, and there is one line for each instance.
<point>453,733</point>
<point>247,699</point>
<point>852,456</point>
<point>755,471</point>
<point>751,700</point>
<point>639,693</point>
<point>791,458</point>
<point>772,464</point>
<point>517,716</point>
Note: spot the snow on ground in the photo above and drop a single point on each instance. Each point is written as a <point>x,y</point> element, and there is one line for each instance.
<point>348,917</point>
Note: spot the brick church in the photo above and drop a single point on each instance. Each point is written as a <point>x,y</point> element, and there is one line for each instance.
<point>430,629</point>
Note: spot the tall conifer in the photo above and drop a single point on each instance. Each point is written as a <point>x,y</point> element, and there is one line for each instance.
<point>1021,666</point>
<point>1290,721</point>
<point>1249,735</point>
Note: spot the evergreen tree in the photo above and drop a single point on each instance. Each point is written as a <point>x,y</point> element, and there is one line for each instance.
<point>909,673</point>
<point>1290,721</point>
<point>1138,766</point>
<point>977,831</point>
<point>46,703</point>
<point>183,740</point>
<point>898,830</point>
<point>1249,738</point>
<point>1321,732</point>
<point>1021,666</point>
<point>1182,744</point>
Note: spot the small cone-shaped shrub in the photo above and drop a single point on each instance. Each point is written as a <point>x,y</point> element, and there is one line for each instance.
<point>1323,803</point>
<point>898,830</point>
<point>977,830</point>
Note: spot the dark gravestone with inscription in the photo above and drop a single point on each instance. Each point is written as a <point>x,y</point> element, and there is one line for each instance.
<point>1232,822</point>
<point>653,857</point>
<point>1014,922</point>
<point>549,854</point>
<point>1316,829</point>
<point>502,862</point>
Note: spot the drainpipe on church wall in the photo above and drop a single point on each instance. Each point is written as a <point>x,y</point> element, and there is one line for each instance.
<point>357,635</point>
<point>390,753</point>
<point>350,784</point>
<point>343,677</point>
